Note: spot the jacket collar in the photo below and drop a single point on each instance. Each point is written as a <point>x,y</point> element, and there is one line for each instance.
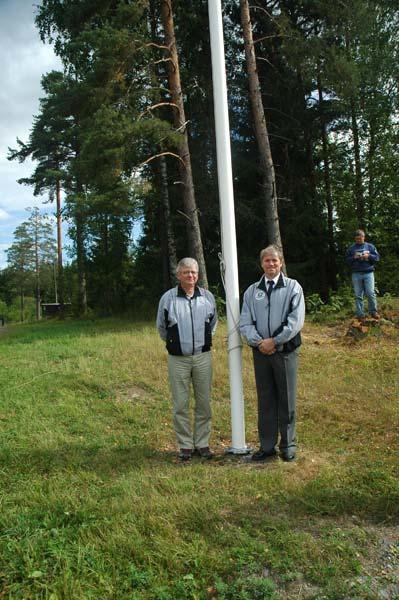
<point>182,293</point>
<point>281,282</point>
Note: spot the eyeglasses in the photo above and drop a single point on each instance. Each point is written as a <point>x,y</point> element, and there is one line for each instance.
<point>189,272</point>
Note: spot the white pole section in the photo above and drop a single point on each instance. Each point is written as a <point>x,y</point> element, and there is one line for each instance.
<point>228,228</point>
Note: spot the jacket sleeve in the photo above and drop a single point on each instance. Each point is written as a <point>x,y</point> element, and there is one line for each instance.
<point>247,324</point>
<point>161,325</point>
<point>374,255</point>
<point>295,318</point>
<point>349,257</point>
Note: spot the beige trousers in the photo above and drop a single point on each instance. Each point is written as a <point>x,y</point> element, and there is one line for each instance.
<point>184,370</point>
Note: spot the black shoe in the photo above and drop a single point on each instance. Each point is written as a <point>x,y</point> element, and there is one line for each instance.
<point>205,452</point>
<point>185,454</point>
<point>287,456</point>
<point>262,455</point>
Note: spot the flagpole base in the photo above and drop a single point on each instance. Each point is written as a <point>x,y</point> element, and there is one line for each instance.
<point>239,451</point>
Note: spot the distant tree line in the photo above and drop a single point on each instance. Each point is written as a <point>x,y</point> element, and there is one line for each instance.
<point>32,264</point>
<point>125,134</point>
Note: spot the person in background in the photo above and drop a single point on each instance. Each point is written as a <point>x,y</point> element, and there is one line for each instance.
<point>361,257</point>
<point>272,317</point>
<point>186,321</point>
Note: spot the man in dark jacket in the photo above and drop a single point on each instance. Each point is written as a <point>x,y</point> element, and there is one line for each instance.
<point>361,257</point>
<point>272,317</point>
<point>186,321</point>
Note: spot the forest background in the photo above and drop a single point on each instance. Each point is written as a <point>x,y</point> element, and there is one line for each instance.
<point>125,135</point>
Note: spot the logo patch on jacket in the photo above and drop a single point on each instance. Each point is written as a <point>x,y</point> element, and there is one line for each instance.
<point>260,294</point>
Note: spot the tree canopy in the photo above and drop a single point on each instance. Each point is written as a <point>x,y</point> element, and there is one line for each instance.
<point>115,134</point>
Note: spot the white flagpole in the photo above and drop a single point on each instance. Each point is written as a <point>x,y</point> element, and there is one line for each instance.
<point>228,229</point>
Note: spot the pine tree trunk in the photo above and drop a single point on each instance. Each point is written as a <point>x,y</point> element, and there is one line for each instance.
<point>60,270</point>
<point>189,202</point>
<point>371,171</point>
<point>359,197</point>
<point>169,258</point>
<point>321,258</point>
<point>261,133</point>
<point>37,272</point>
<point>358,187</point>
<point>107,290</point>
<point>80,259</point>
<point>332,267</point>
<point>22,305</point>
<point>167,231</point>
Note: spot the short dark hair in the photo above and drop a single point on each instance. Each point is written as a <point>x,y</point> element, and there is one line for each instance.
<point>360,232</point>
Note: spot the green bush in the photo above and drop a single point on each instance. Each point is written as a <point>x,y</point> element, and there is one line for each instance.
<point>338,303</point>
<point>12,312</point>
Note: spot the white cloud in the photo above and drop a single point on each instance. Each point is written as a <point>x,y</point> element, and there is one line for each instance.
<point>24,60</point>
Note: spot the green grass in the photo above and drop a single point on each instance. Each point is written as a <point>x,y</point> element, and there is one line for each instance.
<point>94,503</point>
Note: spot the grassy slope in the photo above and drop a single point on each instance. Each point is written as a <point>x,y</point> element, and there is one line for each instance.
<point>95,505</point>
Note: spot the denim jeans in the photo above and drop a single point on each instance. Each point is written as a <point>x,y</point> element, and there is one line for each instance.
<point>363,285</point>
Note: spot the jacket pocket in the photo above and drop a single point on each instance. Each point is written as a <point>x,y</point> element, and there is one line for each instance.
<point>207,337</point>
<point>173,345</point>
<point>293,343</point>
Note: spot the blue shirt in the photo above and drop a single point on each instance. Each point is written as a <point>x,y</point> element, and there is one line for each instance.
<point>358,265</point>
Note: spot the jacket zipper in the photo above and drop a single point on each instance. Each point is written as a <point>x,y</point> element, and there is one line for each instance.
<point>192,323</point>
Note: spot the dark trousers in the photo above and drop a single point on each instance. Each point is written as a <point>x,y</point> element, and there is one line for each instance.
<point>275,377</point>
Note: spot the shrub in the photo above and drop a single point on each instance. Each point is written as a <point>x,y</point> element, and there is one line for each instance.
<point>338,303</point>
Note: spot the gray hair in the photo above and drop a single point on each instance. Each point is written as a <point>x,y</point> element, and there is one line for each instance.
<point>186,262</point>
<point>272,249</point>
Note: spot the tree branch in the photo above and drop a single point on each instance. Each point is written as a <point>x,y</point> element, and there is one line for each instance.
<point>153,44</point>
<point>159,155</point>
<point>265,11</point>
<point>268,37</point>
<point>154,106</point>
<point>184,215</point>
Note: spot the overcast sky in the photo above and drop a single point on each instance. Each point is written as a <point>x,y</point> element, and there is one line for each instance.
<point>24,60</point>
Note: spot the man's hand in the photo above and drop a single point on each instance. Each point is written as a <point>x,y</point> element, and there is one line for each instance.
<point>267,346</point>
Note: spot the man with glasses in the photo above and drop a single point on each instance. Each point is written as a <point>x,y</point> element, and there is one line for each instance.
<point>186,321</point>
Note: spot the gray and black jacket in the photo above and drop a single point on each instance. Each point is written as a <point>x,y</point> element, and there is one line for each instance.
<point>187,324</point>
<point>281,318</point>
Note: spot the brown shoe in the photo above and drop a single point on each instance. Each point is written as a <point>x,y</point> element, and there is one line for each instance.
<point>205,452</point>
<point>375,316</point>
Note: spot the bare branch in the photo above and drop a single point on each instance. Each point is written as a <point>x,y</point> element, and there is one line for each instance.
<point>161,60</point>
<point>159,155</point>
<point>184,215</point>
<point>266,60</point>
<point>268,37</point>
<point>280,137</point>
<point>265,11</point>
<point>182,126</point>
<point>154,45</point>
<point>154,106</point>
<point>33,379</point>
